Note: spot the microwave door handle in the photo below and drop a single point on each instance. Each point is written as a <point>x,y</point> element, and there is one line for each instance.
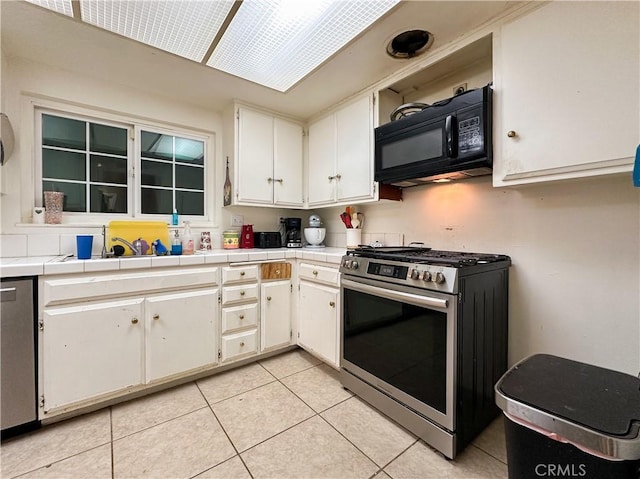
<point>450,135</point>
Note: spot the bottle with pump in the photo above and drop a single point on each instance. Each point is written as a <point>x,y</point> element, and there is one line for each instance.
<point>174,218</point>
<point>187,239</point>
<point>176,244</point>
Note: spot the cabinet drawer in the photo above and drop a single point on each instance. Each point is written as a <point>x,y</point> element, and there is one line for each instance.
<point>239,317</point>
<point>240,293</point>
<point>320,274</point>
<point>85,287</point>
<point>239,274</point>
<point>239,344</point>
<point>275,270</point>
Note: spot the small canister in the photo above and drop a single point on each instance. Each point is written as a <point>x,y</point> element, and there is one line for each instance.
<point>230,239</point>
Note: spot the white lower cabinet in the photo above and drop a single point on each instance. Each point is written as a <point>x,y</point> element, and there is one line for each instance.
<point>180,332</point>
<point>275,315</point>
<point>91,350</point>
<point>319,312</point>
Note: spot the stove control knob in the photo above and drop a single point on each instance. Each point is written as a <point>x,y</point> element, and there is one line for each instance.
<point>439,278</point>
<point>415,274</point>
<point>426,276</point>
<point>354,264</point>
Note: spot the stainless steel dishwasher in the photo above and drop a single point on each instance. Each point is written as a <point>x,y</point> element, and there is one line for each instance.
<point>18,367</point>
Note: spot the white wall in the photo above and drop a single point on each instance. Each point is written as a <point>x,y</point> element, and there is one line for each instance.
<point>575,247</point>
<point>22,79</point>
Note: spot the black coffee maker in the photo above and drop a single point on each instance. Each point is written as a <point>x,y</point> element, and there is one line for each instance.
<point>292,233</point>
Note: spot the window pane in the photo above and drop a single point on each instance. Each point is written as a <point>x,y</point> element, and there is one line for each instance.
<point>157,201</point>
<point>155,145</point>
<point>108,139</point>
<point>74,194</point>
<point>156,174</point>
<point>65,165</point>
<point>189,177</point>
<point>190,151</point>
<point>105,169</point>
<point>63,132</point>
<point>189,203</point>
<point>108,199</point>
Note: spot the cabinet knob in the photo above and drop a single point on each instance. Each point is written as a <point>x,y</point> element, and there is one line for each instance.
<point>278,272</point>
<point>241,273</point>
<point>315,273</point>
<point>241,293</point>
<point>134,321</point>
<point>331,178</point>
<point>511,134</point>
<point>332,304</point>
<point>338,176</point>
<point>242,316</point>
<point>156,316</point>
<point>269,180</point>
<point>278,180</point>
<point>268,298</point>
<point>242,344</point>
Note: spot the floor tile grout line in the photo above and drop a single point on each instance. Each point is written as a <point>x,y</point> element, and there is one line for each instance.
<point>488,454</point>
<point>113,459</point>
<point>160,423</point>
<point>225,433</point>
<point>234,395</point>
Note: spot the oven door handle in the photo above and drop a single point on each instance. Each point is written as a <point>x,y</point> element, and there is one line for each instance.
<point>396,295</point>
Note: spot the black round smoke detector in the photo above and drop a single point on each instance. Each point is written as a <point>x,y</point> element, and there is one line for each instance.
<point>409,44</point>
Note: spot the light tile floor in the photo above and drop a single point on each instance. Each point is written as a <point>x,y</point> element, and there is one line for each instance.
<point>283,417</point>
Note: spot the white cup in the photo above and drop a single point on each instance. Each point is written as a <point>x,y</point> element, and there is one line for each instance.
<point>38,215</point>
<point>354,237</point>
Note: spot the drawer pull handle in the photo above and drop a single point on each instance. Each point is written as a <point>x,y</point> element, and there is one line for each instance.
<point>241,273</point>
<point>332,304</point>
<point>241,293</point>
<point>278,272</point>
<point>315,273</point>
<point>242,316</point>
<point>156,316</point>
<point>512,134</point>
<point>134,321</point>
<point>242,344</point>
<point>268,298</point>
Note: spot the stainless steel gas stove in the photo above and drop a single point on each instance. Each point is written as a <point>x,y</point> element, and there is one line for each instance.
<point>424,337</point>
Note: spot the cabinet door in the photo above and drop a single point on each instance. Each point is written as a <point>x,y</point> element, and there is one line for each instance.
<point>91,350</point>
<point>181,332</point>
<point>255,157</point>
<point>354,158</point>
<point>322,161</point>
<point>567,79</point>
<point>287,163</point>
<point>318,326</point>
<point>275,314</point>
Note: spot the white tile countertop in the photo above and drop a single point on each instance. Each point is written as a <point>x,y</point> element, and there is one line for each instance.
<point>45,265</point>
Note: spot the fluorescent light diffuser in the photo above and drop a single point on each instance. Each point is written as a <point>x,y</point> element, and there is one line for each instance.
<point>60,6</point>
<point>182,27</point>
<point>276,43</point>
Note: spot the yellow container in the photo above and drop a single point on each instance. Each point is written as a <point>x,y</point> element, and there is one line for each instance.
<point>230,239</point>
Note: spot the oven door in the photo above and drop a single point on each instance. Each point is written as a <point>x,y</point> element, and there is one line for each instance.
<point>401,341</point>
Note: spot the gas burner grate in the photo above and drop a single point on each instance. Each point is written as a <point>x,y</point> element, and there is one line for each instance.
<point>427,256</point>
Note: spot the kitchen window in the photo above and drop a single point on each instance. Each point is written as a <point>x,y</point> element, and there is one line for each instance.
<point>120,168</point>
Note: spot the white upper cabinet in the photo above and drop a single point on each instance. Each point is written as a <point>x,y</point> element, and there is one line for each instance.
<point>567,92</point>
<point>268,160</point>
<point>341,155</point>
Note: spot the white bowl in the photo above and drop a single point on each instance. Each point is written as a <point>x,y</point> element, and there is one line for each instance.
<point>314,236</point>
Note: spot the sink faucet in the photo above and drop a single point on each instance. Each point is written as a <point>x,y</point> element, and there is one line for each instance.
<point>136,249</point>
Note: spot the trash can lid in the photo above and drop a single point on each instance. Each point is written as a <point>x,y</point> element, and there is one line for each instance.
<point>597,398</point>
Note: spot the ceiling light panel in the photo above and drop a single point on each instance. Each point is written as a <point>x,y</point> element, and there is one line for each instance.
<point>276,43</point>
<point>182,27</point>
<point>60,6</point>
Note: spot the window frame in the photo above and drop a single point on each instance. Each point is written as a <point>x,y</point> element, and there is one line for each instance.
<point>134,127</point>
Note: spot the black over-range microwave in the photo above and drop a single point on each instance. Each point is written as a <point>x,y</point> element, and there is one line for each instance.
<point>450,139</point>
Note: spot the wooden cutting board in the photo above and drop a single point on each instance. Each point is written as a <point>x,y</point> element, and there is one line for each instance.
<point>132,230</point>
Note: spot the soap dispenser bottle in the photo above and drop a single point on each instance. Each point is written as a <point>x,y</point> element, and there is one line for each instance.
<point>187,239</point>
<point>176,244</point>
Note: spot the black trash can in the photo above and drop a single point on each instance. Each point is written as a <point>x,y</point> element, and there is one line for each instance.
<point>565,418</point>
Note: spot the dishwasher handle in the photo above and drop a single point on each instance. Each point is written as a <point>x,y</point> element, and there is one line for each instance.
<point>7,295</point>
